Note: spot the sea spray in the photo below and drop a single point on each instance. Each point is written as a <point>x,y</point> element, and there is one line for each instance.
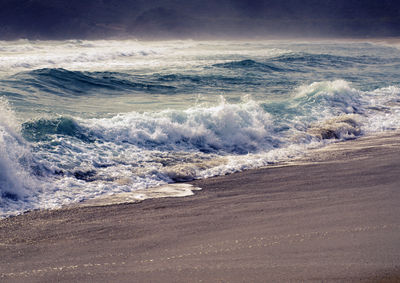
<point>231,128</point>
<point>15,180</point>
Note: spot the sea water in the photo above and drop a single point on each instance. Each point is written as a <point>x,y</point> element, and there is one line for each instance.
<point>86,119</point>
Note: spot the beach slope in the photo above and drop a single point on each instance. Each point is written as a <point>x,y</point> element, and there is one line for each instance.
<point>333,215</point>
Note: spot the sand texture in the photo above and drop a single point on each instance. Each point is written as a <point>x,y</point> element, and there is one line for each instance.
<point>332,216</point>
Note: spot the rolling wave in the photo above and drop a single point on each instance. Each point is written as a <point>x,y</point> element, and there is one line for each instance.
<point>303,59</point>
<point>251,65</point>
<point>61,82</point>
<point>42,129</point>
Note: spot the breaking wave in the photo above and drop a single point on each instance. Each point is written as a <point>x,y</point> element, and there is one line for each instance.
<point>48,162</point>
<point>16,179</point>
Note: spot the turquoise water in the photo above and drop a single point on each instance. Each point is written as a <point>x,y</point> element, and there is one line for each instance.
<point>82,119</point>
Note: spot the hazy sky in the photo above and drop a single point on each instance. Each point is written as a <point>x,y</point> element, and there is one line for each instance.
<point>152,19</point>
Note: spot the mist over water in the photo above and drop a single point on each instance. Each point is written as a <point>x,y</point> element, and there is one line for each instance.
<point>82,119</point>
<point>205,19</point>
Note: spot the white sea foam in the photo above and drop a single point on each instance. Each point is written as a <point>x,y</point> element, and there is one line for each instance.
<point>384,109</point>
<point>228,127</point>
<point>170,190</point>
<point>15,157</point>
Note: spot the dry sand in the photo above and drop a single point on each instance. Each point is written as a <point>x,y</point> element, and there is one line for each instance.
<point>334,215</point>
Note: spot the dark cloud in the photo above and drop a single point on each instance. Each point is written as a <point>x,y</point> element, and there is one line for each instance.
<point>59,19</point>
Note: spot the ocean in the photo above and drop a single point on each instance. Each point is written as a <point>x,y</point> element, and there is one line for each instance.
<point>81,120</point>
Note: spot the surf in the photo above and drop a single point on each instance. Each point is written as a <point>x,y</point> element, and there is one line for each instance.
<point>71,130</point>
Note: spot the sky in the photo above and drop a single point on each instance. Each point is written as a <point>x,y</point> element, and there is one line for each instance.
<point>198,19</point>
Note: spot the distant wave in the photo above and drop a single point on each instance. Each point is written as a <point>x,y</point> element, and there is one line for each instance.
<point>22,55</point>
<point>321,60</point>
<point>187,81</point>
<point>250,65</point>
<point>62,82</point>
<point>294,62</point>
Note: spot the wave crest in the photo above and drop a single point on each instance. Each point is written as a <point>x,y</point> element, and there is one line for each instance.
<point>250,65</point>
<point>15,181</point>
<point>336,96</point>
<point>61,81</point>
<point>235,128</point>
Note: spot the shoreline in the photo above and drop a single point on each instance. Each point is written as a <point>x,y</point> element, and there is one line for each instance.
<point>328,153</point>
<point>331,215</point>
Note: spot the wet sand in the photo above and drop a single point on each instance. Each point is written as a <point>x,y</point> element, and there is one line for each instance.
<point>332,216</point>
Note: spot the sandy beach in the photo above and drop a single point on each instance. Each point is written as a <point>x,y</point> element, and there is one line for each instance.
<point>331,216</point>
